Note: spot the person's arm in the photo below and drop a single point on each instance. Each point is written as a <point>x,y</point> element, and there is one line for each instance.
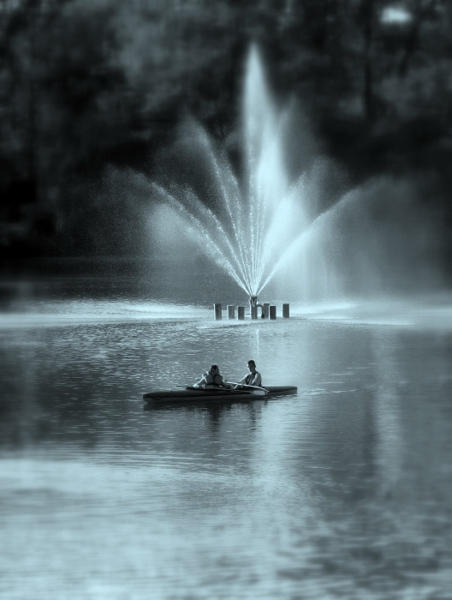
<point>201,382</point>
<point>222,381</point>
<point>257,379</point>
<point>236,385</point>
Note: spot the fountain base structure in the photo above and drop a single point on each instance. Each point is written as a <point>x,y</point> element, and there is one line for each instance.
<point>268,311</point>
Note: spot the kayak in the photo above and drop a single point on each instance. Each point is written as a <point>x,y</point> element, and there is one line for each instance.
<point>193,394</point>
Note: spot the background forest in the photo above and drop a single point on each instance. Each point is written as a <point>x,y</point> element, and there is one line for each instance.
<point>87,85</point>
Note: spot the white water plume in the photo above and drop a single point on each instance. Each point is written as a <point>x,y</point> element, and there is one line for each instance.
<point>269,226</point>
<point>247,227</point>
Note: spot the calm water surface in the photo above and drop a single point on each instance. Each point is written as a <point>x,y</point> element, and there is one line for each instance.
<point>342,491</point>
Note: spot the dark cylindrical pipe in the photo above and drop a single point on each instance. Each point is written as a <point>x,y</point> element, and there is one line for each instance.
<point>273,312</point>
<point>218,313</point>
<point>240,313</point>
<point>285,311</point>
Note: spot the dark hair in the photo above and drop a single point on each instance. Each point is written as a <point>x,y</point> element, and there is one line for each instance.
<point>251,362</point>
<point>214,367</point>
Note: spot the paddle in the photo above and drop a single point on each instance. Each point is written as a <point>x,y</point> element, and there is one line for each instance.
<point>250,389</point>
<point>246,385</point>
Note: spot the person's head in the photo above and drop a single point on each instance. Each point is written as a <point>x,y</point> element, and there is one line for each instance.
<point>214,369</point>
<point>251,365</point>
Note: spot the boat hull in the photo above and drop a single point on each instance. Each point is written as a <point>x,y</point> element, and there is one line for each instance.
<point>217,395</point>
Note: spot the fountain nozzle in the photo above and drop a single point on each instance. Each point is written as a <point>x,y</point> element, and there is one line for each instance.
<point>254,305</point>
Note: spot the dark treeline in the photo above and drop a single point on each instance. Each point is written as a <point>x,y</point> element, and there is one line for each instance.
<point>86,84</point>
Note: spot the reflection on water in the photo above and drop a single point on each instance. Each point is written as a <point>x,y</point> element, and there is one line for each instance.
<point>343,491</point>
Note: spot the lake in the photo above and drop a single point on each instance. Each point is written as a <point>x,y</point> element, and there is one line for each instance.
<point>341,491</point>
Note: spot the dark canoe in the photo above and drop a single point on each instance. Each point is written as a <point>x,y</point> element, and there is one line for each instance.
<point>190,394</point>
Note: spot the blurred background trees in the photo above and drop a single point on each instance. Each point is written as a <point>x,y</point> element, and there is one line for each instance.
<point>87,84</point>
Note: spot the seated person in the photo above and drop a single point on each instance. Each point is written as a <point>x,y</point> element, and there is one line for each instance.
<point>212,379</point>
<point>253,377</point>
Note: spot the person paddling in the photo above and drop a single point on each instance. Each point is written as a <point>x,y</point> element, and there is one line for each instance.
<point>212,379</point>
<point>253,377</point>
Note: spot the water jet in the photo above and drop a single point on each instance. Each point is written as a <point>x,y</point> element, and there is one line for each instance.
<point>269,228</point>
<point>244,228</point>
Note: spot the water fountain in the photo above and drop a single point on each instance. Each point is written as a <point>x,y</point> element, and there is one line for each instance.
<point>268,224</point>
<point>245,230</point>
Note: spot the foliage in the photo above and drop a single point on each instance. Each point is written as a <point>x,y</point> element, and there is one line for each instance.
<point>85,84</point>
